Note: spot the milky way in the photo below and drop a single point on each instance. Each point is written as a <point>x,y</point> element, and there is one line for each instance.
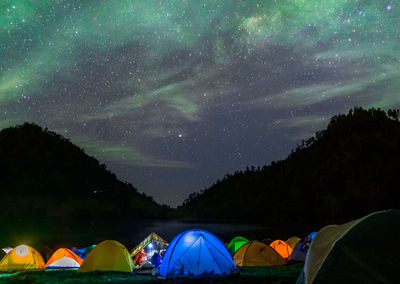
<point>171,95</point>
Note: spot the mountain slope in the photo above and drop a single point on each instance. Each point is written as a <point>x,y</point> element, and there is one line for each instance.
<point>45,176</point>
<point>345,171</point>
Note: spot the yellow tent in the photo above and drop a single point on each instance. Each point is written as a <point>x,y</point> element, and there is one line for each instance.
<point>292,241</point>
<point>108,256</point>
<point>257,254</point>
<point>22,257</point>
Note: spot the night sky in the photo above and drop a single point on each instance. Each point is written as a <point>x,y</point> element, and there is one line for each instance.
<point>172,95</point>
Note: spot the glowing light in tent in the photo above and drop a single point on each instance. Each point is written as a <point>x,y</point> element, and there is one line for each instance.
<point>196,254</point>
<point>64,258</point>
<point>188,239</point>
<point>22,250</point>
<point>282,248</point>
<point>150,245</point>
<point>65,262</point>
<point>148,239</point>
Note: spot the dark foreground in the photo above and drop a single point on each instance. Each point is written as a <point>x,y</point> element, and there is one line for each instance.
<point>282,274</point>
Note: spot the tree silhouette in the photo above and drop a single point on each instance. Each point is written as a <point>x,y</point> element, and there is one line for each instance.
<point>343,172</point>
<point>43,176</point>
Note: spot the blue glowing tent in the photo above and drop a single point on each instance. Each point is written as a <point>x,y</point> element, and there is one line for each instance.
<point>196,254</point>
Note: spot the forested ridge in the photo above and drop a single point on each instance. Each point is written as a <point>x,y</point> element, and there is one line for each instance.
<point>345,171</point>
<point>44,177</point>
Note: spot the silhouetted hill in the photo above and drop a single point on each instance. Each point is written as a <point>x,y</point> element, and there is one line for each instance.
<point>46,178</point>
<point>344,172</point>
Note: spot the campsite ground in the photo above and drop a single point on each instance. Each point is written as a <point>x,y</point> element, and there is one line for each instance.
<point>282,274</point>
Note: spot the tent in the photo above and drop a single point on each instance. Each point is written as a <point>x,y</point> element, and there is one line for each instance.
<point>257,254</point>
<point>139,257</point>
<point>196,254</point>
<point>292,241</point>
<point>300,250</point>
<point>236,243</point>
<point>108,256</point>
<point>64,257</point>
<point>82,252</point>
<point>145,250</point>
<point>22,257</point>
<point>282,248</point>
<point>311,235</point>
<point>6,250</point>
<point>45,252</point>
<point>361,251</point>
<point>151,238</point>
<point>156,260</point>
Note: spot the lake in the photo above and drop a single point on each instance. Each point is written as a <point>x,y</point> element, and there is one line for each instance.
<point>131,233</point>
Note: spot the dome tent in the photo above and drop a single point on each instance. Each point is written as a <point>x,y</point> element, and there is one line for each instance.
<point>300,250</point>
<point>282,248</point>
<point>64,258</point>
<point>21,258</point>
<point>152,238</point>
<point>196,254</point>
<point>83,252</point>
<point>144,251</point>
<point>108,256</point>
<point>257,254</point>
<point>45,252</point>
<point>6,250</point>
<point>311,235</point>
<point>236,243</point>
<point>292,241</point>
<point>360,251</point>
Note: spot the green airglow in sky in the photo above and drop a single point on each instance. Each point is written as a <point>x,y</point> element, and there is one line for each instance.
<point>134,79</point>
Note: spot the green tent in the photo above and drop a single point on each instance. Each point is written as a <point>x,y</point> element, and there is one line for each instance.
<point>365,250</point>
<point>236,243</point>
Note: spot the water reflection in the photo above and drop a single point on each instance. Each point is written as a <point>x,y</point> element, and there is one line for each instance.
<point>131,233</point>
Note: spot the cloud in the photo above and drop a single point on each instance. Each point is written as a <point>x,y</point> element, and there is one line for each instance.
<point>302,127</point>
<point>124,154</point>
<point>302,121</point>
<point>174,96</point>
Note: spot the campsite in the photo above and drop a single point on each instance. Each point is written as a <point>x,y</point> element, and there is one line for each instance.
<point>184,141</point>
<point>333,254</point>
<point>131,238</point>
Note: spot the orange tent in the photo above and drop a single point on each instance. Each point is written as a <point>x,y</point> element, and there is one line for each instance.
<point>64,258</point>
<point>22,257</point>
<point>282,248</point>
<point>257,254</point>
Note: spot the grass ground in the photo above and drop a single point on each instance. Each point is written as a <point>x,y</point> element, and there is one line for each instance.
<point>282,274</point>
